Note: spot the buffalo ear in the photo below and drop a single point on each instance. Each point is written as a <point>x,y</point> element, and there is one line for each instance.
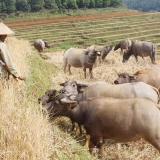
<point>62,84</point>
<point>81,84</point>
<point>132,77</point>
<point>86,51</point>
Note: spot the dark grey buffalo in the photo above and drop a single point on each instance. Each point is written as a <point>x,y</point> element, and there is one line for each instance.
<point>47,99</point>
<point>124,44</point>
<point>142,49</point>
<point>104,50</point>
<point>122,120</point>
<point>150,76</point>
<point>40,44</point>
<point>80,58</point>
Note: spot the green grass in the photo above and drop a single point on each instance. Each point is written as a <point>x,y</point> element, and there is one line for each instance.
<point>40,75</point>
<point>43,14</point>
<point>66,146</point>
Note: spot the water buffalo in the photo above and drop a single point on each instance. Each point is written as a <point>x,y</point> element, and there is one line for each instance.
<point>122,120</point>
<point>47,97</point>
<point>124,44</point>
<point>126,90</point>
<point>104,50</point>
<point>150,76</point>
<point>142,49</point>
<point>51,93</point>
<point>39,44</point>
<point>80,58</point>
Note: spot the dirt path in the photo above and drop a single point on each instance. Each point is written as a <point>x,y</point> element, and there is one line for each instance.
<point>74,18</point>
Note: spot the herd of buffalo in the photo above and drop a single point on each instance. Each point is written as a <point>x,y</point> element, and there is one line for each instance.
<point>123,112</point>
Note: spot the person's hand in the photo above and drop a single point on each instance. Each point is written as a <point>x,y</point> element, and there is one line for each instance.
<point>19,78</point>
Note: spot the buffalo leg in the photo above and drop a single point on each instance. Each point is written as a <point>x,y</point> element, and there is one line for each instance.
<point>91,147</point>
<point>121,52</point>
<point>80,129</point>
<point>98,142</point>
<point>69,68</point>
<point>64,66</point>
<point>90,71</point>
<point>73,126</point>
<point>87,142</point>
<point>99,58</point>
<point>84,69</point>
<point>153,60</point>
<point>136,57</point>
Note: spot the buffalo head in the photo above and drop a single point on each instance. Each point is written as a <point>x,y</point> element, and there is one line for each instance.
<point>73,88</point>
<point>47,97</point>
<point>46,44</point>
<point>59,106</point>
<point>125,78</point>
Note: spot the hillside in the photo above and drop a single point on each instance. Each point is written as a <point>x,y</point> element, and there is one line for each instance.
<point>25,132</point>
<point>91,29</point>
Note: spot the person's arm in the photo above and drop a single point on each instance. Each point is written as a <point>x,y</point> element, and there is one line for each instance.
<point>8,60</point>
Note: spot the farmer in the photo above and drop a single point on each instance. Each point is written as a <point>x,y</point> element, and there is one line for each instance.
<point>7,66</point>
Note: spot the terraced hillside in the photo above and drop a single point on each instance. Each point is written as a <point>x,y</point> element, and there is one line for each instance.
<point>99,30</point>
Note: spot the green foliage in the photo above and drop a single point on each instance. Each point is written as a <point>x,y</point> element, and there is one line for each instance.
<point>98,3</point>
<point>145,5</point>
<point>22,5</point>
<point>3,7</point>
<point>36,5</point>
<point>40,75</point>
<point>50,4</point>
<point>11,6</point>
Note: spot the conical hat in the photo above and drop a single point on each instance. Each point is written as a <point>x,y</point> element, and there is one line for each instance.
<point>4,30</point>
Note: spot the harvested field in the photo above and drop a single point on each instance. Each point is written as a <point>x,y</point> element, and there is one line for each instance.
<point>92,29</point>
<point>107,71</point>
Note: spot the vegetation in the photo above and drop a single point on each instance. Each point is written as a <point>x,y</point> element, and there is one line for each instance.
<point>145,6</point>
<point>49,14</point>
<point>11,6</point>
<point>105,30</point>
<point>24,132</point>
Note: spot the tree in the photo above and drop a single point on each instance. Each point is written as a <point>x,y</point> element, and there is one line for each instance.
<point>115,3</point>
<point>98,3</point>
<point>83,3</point>
<point>10,6</point>
<point>106,3</point>
<point>36,5</point>
<point>50,4</point>
<point>72,4</point>
<point>22,5</point>
<point>59,3</point>
<point>3,7</point>
<point>92,4</point>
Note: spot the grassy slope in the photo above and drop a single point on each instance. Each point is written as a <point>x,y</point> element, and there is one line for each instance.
<point>63,13</point>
